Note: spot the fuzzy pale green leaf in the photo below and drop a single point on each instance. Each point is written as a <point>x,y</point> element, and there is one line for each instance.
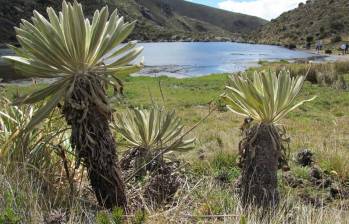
<point>267,97</point>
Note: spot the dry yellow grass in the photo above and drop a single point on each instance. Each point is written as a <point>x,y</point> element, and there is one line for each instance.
<point>321,126</point>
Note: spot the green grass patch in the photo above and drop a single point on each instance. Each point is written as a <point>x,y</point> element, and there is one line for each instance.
<point>221,165</point>
<point>175,92</point>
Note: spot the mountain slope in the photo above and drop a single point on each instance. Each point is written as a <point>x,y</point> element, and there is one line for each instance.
<point>233,22</point>
<point>157,19</point>
<point>327,20</point>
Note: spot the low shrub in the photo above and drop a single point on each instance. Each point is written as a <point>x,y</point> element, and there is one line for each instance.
<point>308,45</point>
<point>325,74</point>
<point>291,46</point>
<point>336,39</point>
<point>310,39</point>
<point>341,67</point>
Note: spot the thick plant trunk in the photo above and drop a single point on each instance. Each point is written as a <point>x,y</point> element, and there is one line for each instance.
<point>260,154</point>
<point>94,143</point>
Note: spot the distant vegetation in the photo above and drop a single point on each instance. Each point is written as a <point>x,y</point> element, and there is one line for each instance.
<point>326,20</point>
<point>324,74</point>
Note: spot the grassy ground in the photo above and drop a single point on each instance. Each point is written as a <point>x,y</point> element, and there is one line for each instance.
<point>321,126</point>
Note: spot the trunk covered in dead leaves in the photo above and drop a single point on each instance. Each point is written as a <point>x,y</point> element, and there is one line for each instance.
<point>260,154</point>
<point>93,141</point>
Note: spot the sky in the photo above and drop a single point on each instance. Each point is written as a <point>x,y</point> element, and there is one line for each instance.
<point>267,9</point>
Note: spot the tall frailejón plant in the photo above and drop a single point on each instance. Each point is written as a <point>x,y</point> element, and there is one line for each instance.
<point>264,99</point>
<point>85,57</point>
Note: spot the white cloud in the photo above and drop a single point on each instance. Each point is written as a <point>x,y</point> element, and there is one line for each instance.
<point>267,9</point>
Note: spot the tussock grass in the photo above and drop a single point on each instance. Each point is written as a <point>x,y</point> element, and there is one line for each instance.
<point>26,198</point>
<point>325,74</point>
<point>208,193</point>
<point>212,203</point>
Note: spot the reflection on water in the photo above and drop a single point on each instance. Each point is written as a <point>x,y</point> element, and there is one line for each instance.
<point>180,59</point>
<point>201,58</point>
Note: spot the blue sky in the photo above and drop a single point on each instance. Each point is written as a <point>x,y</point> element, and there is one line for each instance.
<point>267,9</point>
<point>213,3</point>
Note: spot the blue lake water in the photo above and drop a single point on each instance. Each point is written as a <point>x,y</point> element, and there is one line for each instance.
<point>188,59</point>
<point>183,59</point>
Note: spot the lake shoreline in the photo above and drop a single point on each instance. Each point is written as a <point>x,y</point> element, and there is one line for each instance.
<point>335,57</point>
<point>185,60</point>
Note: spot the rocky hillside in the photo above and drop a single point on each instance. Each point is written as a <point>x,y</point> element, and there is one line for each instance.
<point>157,19</point>
<point>327,20</point>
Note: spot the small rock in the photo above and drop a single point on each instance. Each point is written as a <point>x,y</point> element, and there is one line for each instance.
<point>334,173</point>
<point>316,173</point>
<point>304,157</point>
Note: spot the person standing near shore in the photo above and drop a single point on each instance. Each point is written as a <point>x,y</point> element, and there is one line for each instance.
<point>319,46</point>
<point>346,48</point>
<point>343,48</point>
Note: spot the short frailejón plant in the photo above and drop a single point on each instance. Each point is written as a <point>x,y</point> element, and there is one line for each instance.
<point>264,100</point>
<point>85,57</point>
<point>151,133</point>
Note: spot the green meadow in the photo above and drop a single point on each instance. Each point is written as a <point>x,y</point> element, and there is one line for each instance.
<point>211,169</point>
